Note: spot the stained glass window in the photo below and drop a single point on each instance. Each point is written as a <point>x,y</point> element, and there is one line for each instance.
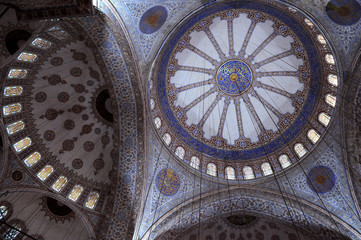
<point>332,79</point>
<point>92,200</point>
<point>27,57</point>
<point>41,43</point>
<point>313,136</point>
<point>15,127</point>
<point>330,100</point>
<point>17,73</point>
<point>321,39</point>
<point>60,183</point>
<point>13,91</point>
<point>212,169</point>
<point>157,122</point>
<point>266,169</point>
<point>308,22</point>
<point>324,119</point>
<point>300,150</point>
<point>167,138</point>
<point>150,84</point>
<point>3,211</point>
<point>32,159</point>
<point>75,193</point>
<point>22,144</point>
<point>11,109</point>
<point>248,172</point>
<point>284,161</point>
<point>180,152</point>
<point>230,173</point>
<point>152,104</point>
<point>45,172</point>
<point>195,162</point>
<point>330,59</point>
<point>12,233</point>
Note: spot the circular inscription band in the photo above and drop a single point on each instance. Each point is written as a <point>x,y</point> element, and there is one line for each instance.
<point>234,77</point>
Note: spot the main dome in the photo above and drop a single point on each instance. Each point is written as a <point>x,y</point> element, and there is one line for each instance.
<point>240,81</point>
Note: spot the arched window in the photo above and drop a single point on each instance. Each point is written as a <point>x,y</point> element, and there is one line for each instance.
<point>60,183</point>
<point>12,109</point>
<point>332,79</point>
<point>15,39</point>
<point>92,200</point>
<point>300,150</point>
<point>3,211</point>
<point>167,138</point>
<point>22,144</point>
<point>152,104</point>
<point>284,161</point>
<point>248,173</point>
<point>13,91</point>
<point>230,173</point>
<point>17,73</point>
<point>11,233</point>
<point>313,136</point>
<point>32,159</point>
<point>330,100</point>
<point>330,59</point>
<point>324,119</point>
<point>308,22</point>
<point>321,39</point>
<point>195,162</point>
<point>75,193</point>
<point>266,169</point>
<point>27,57</point>
<point>212,169</point>
<point>45,172</point>
<point>15,127</point>
<point>41,43</point>
<point>157,122</point>
<point>179,151</point>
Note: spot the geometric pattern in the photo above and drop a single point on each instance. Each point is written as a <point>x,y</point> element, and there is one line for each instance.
<point>167,182</point>
<point>321,179</point>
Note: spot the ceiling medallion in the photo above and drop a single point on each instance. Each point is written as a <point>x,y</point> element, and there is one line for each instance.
<point>243,82</point>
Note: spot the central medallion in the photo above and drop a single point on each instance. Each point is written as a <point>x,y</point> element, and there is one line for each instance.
<point>234,77</point>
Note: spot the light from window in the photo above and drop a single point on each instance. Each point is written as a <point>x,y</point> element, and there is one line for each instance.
<point>313,136</point>
<point>22,144</point>
<point>179,151</point>
<point>212,169</point>
<point>41,43</point>
<point>321,39</point>
<point>152,104</point>
<point>195,162</point>
<point>92,200</point>
<point>32,159</point>
<point>27,57</point>
<point>167,138</point>
<point>284,161</point>
<point>248,173</point>
<point>308,22</point>
<point>17,73</point>
<point>330,100</point>
<point>230,173</point>
<point>12,233</point>
<point>300,150</point>
<point>45,172</point>
<point>15,127</point>
<point>12,109</point>
<point>266,169</point>
<point>3,211</point>
<point>330,59</point>
<point>324,119</point>
<point>332,79</point>
<point>157,122</point>
<point>60,183</point>
<point>150,84</point>
<point>75,193</point>
<point>13,91</point>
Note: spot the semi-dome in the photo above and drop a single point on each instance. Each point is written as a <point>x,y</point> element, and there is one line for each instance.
<point>239,84</point>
